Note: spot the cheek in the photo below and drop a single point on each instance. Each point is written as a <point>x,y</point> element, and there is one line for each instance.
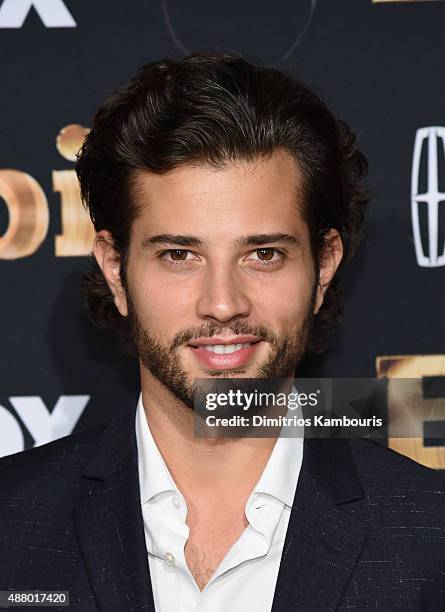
<point>285,300</point>
<point>158,300</point>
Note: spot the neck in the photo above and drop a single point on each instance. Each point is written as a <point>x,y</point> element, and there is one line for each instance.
<point>204,467</point>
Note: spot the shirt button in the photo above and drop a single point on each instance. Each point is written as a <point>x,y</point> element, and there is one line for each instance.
<point>176,502</point>
<point>169,559</point>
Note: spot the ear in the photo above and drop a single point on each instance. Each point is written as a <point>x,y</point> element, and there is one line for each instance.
<point>109,262</point>
<point>331,257</point>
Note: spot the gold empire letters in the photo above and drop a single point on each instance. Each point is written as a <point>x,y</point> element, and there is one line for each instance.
<point>29,211</point>
<point>418,409</point>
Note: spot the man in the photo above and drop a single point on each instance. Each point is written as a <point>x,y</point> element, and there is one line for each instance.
<point>226,198</point>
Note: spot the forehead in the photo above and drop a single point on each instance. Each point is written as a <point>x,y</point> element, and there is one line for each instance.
<point>265,194</point>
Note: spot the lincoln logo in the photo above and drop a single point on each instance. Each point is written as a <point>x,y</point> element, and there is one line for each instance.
<point>427,201</point>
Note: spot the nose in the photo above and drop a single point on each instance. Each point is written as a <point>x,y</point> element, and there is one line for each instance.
<point>222,296</point>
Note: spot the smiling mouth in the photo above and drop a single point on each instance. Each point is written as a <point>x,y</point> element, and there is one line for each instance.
<point>225,356</point>
<point>224,349</point>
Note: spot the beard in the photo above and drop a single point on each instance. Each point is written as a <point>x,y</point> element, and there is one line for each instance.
<point>162,360</point>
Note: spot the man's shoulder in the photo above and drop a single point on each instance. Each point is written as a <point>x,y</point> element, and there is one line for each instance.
<point>390,477</point>
<point>56,461</point>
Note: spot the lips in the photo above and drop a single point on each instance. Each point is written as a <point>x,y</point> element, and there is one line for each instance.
<point>224,353</point>
<point>225,349</point>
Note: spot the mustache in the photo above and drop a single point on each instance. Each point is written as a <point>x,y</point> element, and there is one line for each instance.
<point>213,329</point>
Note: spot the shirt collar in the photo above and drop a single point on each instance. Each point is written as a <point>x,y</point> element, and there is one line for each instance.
<point>154,477</point>
<point>279,478</point>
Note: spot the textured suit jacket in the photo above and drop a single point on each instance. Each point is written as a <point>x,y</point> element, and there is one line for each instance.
<point>367,528</point>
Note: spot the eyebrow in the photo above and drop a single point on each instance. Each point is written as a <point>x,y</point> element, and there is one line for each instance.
<point>243,241</point>
<point>260,239</point>
<point>179,239</point>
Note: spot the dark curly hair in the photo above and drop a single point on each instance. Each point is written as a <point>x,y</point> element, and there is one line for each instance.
<point>214,108</point>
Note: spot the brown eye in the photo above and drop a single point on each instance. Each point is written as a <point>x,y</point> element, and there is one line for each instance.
<point>178,254</point>
<point>265,254</point>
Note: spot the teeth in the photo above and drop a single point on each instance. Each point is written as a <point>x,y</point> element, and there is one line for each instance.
<point>222,349</point>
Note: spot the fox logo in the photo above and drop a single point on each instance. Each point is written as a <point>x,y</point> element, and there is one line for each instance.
<point>53,13</point>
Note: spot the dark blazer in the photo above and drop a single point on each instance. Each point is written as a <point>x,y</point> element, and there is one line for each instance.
<point>367,528</point>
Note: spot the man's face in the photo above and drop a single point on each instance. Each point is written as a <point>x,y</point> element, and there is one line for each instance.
<point>220,275</point>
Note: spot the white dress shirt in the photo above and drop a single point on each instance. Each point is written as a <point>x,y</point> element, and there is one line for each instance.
<point>246,577</point>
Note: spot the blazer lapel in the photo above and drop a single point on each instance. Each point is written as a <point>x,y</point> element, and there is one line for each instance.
<point>324,538</point>
<point>109,521</point>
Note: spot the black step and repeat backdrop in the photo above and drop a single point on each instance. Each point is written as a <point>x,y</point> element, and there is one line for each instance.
<point>380,66</point>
